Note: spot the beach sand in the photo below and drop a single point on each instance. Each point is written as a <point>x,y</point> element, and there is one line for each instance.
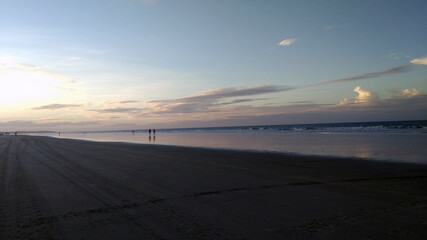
<point>71,189</point>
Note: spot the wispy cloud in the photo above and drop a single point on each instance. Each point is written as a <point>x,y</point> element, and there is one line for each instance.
<point>287,42</point>
<point>9,64</point>
<point>117,110</point>
<point>395,55</point>
<point>387,71</point>
<point>330,27</point>
<point>211,100</point>
<point>333,27</point>
<point>74,59</point>
<point>242,101</point>
<point>122,102</point>
<point>119,102</point>
<point>128,101</point>
<point>146,2</point>
<point>420,61</point>
<point>56,106</point>
<point>46,125</point>
<point>35,78</point>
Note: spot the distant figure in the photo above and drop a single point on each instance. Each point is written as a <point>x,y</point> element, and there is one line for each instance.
<point>16,133</point>
<point>154,132</point>
<point>133,132</point>
<point>59,133</point>
<point>149,132</point>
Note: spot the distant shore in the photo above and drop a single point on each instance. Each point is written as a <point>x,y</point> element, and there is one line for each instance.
<point>71,189</point>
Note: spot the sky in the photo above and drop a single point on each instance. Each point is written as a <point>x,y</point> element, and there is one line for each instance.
<point>135,64</point>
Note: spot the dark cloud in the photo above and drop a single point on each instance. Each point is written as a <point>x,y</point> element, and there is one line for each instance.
<point>56,106</point>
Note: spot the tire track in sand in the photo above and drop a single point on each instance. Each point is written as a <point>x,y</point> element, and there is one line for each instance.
<point>146,211</point>
<point>17,202</point>
<point>100,188</point>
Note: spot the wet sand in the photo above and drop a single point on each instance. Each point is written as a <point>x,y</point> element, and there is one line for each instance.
<point>69,189</point>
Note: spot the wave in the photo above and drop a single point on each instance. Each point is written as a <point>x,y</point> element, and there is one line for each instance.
<point>392,126</point>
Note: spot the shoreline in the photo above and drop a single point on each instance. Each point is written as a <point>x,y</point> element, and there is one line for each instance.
<point>78,189</point>
<point>389,160</point>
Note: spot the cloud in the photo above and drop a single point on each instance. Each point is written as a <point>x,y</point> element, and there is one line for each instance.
<point>120,102</point>
<point>44,125</point>
<point>26,82</point>
<point>241,101</point>
<point>330,27</point>
<point>56,106</point>
<point>301,102</point>
<point>395,56</point>
<point>9,64</point>
<point>346,101</point>
<point>378,110</point>
<point>233,106</point>
<point>128,101</point>
<point>117,110</point>
<point>419,61</point>
<point>146,2</point>
<point>74,59</point>
<point>387,71</point>
<point>287,42</point>
<point>150,2</point>
<point>408,93</point>
<point>364,97</point>
<point>212,100</point>
<point>393,108</point>
<point>233,92</point>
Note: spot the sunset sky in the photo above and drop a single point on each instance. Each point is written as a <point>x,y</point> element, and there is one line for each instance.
<point>133,64</point>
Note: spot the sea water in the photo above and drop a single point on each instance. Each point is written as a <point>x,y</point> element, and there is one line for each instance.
<point>391,141</point>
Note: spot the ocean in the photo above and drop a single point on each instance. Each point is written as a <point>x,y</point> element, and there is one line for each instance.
<point>402,141</point>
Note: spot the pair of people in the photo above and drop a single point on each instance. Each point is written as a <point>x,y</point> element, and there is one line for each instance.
<point>154,131</point>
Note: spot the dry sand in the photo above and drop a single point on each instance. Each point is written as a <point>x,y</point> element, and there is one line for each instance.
<point>70,189</point>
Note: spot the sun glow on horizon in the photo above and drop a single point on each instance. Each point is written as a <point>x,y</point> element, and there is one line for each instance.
<point>22,83</point>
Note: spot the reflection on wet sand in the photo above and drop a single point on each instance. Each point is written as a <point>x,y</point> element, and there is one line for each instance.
<point>387,146</point>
